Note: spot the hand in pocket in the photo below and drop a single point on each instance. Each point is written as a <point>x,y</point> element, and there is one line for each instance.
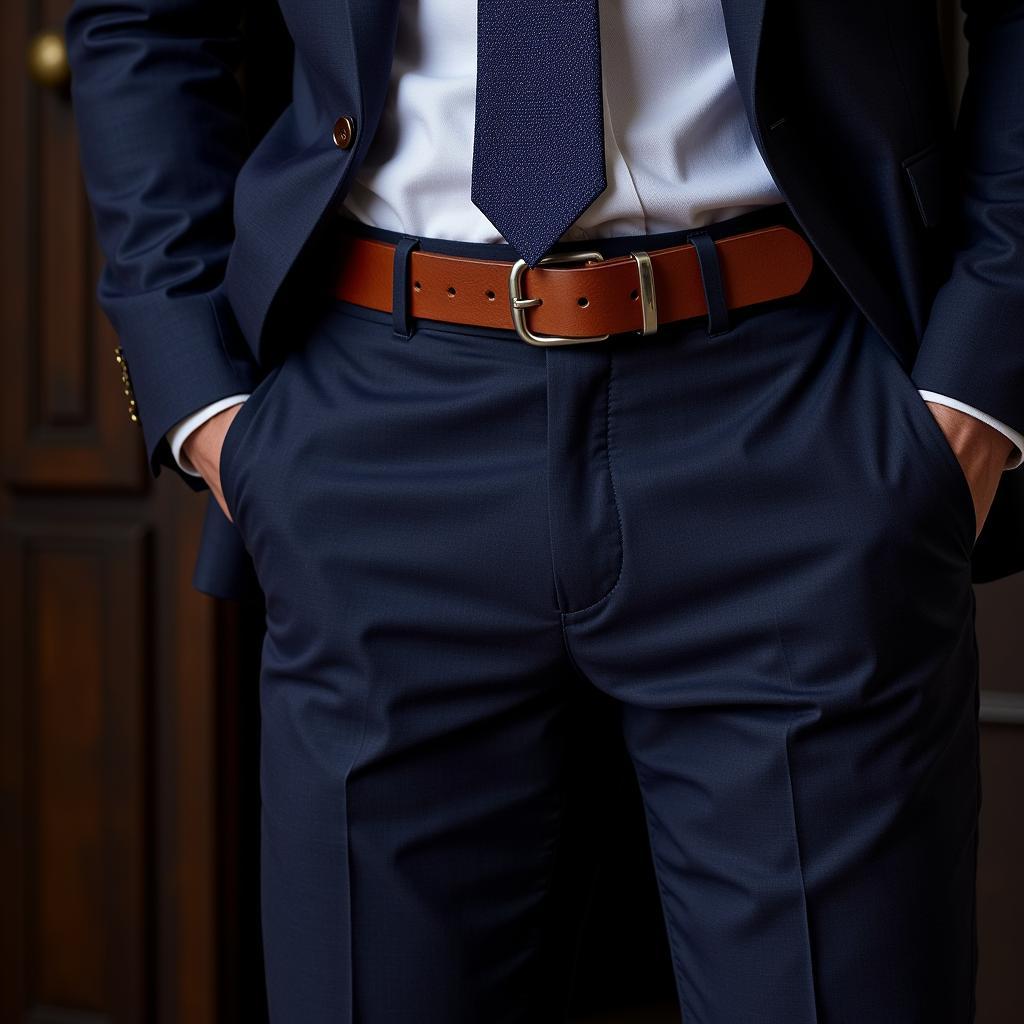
<point>981,451</point>
<point>203,447</point>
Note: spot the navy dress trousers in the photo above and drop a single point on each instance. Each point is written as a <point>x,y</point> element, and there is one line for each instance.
<point>757,543</point>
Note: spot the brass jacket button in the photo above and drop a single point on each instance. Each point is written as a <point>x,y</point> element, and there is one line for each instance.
<point>344,132</point>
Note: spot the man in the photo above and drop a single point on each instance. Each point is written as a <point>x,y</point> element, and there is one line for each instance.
<point>726,459</point>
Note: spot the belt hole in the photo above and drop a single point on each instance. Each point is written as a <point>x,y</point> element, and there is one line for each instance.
<point>451,291</point>
<point>583,300</point>
<point>634,295</point>
<point>490,295</point>
<point>417,285</point>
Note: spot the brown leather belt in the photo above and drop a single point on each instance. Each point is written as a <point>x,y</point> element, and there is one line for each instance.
<point>575,297</point>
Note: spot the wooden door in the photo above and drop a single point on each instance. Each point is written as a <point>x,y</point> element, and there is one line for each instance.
<point>125,700</point>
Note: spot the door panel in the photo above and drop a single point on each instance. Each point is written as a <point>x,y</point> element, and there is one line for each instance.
<point>113,742</point>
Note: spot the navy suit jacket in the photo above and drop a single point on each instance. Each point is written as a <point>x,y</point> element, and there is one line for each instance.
<point>206,232</point>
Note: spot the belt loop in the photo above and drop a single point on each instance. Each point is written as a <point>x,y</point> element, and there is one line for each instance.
<point>400,316</point>
<point>711,278</point>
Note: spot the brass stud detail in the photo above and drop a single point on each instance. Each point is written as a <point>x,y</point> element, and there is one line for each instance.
<point>126,384</point>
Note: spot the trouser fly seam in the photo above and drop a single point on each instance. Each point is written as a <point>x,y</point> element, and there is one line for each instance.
<point>571,612</point>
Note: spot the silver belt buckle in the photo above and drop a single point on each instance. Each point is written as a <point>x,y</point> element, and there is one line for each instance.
<point>518,303</point>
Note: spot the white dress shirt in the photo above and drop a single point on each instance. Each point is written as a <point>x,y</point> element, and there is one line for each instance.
<point>679,152</point>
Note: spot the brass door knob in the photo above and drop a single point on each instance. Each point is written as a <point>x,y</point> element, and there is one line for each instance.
<point>48,60</point>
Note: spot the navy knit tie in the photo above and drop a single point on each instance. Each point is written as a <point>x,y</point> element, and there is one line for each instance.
<point>538,147</point>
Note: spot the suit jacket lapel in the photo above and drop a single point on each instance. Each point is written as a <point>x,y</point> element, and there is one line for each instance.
<point>372,26</point>
<point>744,21</point>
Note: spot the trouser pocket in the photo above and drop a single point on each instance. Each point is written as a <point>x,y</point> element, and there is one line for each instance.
<point>925,437</point>
<point>235,435</point>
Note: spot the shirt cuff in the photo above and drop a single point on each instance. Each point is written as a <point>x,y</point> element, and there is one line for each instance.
<point>1016,457</point>
<point>177,434</point>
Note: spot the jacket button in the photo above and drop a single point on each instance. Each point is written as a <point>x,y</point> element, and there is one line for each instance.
<point>344,132</point>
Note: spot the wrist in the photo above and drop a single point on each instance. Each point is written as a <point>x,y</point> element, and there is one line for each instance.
<point>972,439</point>
<point>201,447</point>
<point>185,427</point>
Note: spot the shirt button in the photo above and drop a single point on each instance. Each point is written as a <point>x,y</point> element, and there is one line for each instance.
<point>344,132</point>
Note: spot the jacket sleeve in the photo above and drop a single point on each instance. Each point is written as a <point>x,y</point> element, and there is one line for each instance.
<point>973,345</point>
<point>162,137</point>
